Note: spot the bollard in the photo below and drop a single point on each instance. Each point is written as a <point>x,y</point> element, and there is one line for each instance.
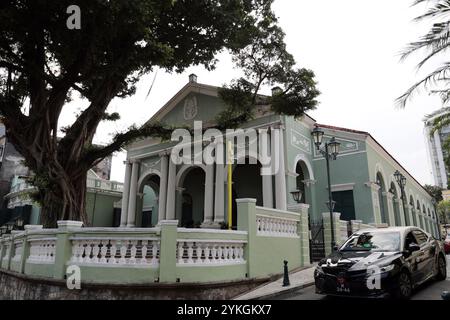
<point>445,295</point>
<point>286,282</point>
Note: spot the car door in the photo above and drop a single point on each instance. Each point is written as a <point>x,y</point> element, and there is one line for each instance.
<point>412,258</point>
<point>427,250</point>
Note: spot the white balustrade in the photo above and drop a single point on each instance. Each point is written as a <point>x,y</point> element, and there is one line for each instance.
<point>276,226</point>
<point>7,250</point>
<point>42,251</point>
<point>115,252</point>
<point>18,249</point>
<point>210,252</point>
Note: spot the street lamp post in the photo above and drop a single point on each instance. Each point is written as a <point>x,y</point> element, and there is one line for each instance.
<point>401,181</point>
<point>330,153</point>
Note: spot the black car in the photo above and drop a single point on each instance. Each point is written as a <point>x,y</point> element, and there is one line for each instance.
<point>381,262</point>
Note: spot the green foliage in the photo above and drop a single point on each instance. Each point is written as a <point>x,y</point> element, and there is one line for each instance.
<point>435,43</point>
<point>444,211</point>
<point>435,192</point>
<point>265,61</point>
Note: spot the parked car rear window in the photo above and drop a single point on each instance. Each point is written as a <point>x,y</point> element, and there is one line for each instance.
<point>373,241</point>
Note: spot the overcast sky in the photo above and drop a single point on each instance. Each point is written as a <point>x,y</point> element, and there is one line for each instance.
<point>353,47</point>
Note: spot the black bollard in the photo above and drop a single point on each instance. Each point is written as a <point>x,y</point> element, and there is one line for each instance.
<point>286,282</point>
<point>446,295</point>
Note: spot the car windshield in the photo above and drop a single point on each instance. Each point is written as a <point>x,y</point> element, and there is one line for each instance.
<point>373,241</point>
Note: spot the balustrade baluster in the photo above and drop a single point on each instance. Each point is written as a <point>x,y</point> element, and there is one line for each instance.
<point>103,251</point>
<point>123,251</point>
<point>144,251</point>
<point>207,252</point>
<point>133,251</point>
<point>155,247</point>
<point>112,252</point>
<point>95,251</point>
<point>180,252</point>
<point>190,252</point>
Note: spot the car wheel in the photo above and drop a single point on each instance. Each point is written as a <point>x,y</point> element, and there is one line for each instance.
<point>442,269</point>
<point>404,288</point>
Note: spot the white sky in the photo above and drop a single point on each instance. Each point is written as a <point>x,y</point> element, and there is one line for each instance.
<point>353,47</point>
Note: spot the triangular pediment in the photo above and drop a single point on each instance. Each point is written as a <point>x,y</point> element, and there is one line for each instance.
<point>194,102</point>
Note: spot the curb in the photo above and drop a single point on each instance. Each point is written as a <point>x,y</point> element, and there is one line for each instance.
<point>285,291</point>
<point>288,290</point>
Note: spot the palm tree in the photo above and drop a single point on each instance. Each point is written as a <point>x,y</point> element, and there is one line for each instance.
<point>436,42</point>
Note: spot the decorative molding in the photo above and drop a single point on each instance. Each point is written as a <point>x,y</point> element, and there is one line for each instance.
<point>372,185</point>
<point>309,182</point>
<point>342,187</point>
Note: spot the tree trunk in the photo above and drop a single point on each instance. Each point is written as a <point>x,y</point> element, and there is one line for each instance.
<point>64,200</point>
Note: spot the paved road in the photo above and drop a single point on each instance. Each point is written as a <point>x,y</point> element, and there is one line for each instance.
<point>429,291</point>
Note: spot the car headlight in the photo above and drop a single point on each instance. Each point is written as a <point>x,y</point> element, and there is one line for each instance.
<point>378,270</point>
<point>388,268</point>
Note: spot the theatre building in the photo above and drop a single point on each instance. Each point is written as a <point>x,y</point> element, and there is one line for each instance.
<point>363,182</point>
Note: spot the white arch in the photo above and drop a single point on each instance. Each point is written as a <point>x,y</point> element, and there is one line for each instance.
<point>396,186</point>
<point>183,169</point>
<point>301,157</point>
<point>146,174</point>
<point>379,169</point>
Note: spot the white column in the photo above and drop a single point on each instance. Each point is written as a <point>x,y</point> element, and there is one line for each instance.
<point>163,187</point>
<point>209,195</point>
<point>390,205</point>
<point>131,221</point>
<point>267,187</point>
<point>401,212</point>
<point>219,197</point>
<point>280,175</point>
<point>125,195</point>
<point>171,191</point>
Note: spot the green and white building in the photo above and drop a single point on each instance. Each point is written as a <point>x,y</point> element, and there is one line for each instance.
<point>362,177</point>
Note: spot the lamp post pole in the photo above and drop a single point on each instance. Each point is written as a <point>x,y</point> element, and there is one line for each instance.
<point>330,153</point>
<point>330,197</point>
<point>401,180</point>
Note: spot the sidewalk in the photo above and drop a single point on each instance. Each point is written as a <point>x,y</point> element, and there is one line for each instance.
<point>300,279</point>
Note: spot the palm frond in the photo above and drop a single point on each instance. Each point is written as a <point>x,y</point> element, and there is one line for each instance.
<point>440,10</point>
<point>433,78</point>
<point>436,40</point>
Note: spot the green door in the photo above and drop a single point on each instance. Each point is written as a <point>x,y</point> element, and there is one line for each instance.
<point>345,204</point>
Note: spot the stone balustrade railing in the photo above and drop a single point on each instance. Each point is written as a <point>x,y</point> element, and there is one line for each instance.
<point>18,250</point>
<point>106,185</point>
<point>274,223</point>
<point>42,250</point>
<point>209,252</point>
<point>166,254</point>
<point>115,251</point>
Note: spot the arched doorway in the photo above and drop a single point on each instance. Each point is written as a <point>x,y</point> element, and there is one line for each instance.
<point>192,184</point>
<point>383,212</point>
<point>147,207</point>
<point>396,204</point>
<point>247,183</point>
<point>302,173</point>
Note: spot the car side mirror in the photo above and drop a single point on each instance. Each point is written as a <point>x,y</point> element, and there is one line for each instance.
<point>413,247</point>
<point>335,248</point>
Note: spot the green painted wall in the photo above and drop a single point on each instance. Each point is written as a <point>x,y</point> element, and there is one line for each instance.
<point>100,209</point>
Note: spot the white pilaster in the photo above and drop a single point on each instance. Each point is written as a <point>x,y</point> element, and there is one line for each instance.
<point>280,175</point>
<point>209,195</point>
<point>170,206</point>
<point>125,195</point>
<point>390,204</point>
<point>163,187</point>
<point>219,197</point>
<point>267,187</point>
<point>131,221</point>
